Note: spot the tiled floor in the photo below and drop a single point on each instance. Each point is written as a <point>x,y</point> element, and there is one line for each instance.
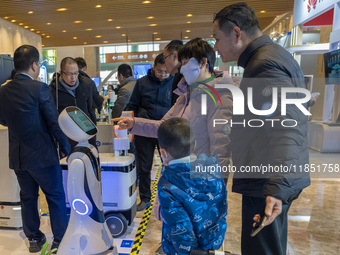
<point>314,218</point>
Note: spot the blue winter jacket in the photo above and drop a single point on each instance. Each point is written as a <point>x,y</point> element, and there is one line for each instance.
<point>193,205</point>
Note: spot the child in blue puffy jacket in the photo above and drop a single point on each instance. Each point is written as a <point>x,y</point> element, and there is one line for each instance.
<point>193,199</point>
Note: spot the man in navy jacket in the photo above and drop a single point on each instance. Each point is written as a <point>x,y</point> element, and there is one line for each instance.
<point>28,110</point>
<point>151,99</point>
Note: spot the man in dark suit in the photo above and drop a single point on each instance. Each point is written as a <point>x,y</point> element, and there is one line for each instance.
<point>28,110</point>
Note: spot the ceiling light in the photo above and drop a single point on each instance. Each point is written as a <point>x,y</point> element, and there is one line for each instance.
<point>150,17</point>
<point>98,6</point>
<point>188,31</point>
<point>42,34</point>
<point>61,9</point>
<point>109,20</point>
<point>78,21</point>
<point>186,37</point>
<point>85,42</point>
<point>211,36</point>
<point>48,24</point>
<point>146,2</point>
<point>30,12</point>
<point>88,29</point>
<point>6,18</point>
<point>129,40</point>
<point>32,29</point>
<point>155,33</point>
<point>64,31</point>
<point>189,22</point>
<point>105,41</point>
<point>48,36</point>
<point>118,27</point>
<point>98,36</point>
<point>153,25</point>
<point>74,38</point>
<point>189,15</point>
<point>42,45</point>
<point>25,26</point>
<point>157,39</point>
<point>262,11</point>
<point>272,33</point>
<point>287,18</point>
<point>123,34</point>
<point>13,20</point>
<point>20,24</point>
<point>38,32</point>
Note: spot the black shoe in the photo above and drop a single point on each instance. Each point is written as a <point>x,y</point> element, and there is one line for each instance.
<point>142,205</point>
<point>36,244</point>
<point>55,245</point>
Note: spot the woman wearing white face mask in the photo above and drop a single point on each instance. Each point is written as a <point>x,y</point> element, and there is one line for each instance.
<point>198,60</point>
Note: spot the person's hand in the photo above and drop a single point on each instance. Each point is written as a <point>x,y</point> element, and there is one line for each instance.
<point>273,209</point>
<point>102,96</point>
<point>125,122</point>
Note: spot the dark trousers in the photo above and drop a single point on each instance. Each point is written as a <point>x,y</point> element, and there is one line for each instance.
<point>50,181</point>
<point>271,239</point>
<point>145,148</point>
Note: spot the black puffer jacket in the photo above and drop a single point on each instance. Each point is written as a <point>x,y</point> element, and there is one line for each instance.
<point>151,98</point>
<point>268,65</point>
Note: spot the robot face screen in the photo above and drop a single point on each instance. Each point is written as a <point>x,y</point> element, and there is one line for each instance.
<point>82,120</point>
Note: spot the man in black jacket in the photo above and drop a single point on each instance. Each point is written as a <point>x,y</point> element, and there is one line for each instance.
<point>73,90</point>
<point>267,67</point>
<point>173,65</point>
<point>27,108</point>
<point>151,99</point>
<point>97,99</point>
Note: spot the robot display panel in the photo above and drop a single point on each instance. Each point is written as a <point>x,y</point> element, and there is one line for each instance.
<point>82,120</point>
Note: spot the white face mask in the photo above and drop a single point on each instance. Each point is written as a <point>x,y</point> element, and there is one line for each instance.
<point>191,71</point>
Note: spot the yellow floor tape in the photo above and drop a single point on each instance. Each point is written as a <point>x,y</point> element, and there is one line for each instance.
<point>142,226</point>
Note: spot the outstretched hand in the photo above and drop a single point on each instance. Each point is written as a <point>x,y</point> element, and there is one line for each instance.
<point>273,209</point>
<point>125,122</point>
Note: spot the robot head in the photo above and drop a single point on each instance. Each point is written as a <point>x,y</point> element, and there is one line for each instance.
<point>76,125</point>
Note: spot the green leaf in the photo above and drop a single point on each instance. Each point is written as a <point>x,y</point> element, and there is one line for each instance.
<point>51,251</point>
<point>44,249</point>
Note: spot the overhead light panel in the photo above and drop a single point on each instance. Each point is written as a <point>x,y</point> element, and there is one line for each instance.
<point>38,32</point>
<point>61,9</point>
<point>88,29</point>
<point>123,34</point>
<point>48,36</point>
<point>5,17</point>
<point>109,19</point>
<point>157,39</point>
<point>64,31</point>
<point>153,25</point>
<point>98,6</point>
<point>48,24</point>
<point>13,20</point>
<point>146,2</point>
<point>189,15</point>
<point>186,37</point>
<point>42,34</point>
<point>25,26</point>
<point>75,38</point>
<point>189,22</point>
<point>188,31</point>
<point>42,45</point>
<point>150,17</point>
<point>78,21</point>
<point>155,33</point>
<point>30,12</point>
<point>118,27</point>
<point>32,29</point>
<point>262,11</point>
<point>20,24</point>
<point>85,42</point>
<point>98,36</point>
<point>105,41</point>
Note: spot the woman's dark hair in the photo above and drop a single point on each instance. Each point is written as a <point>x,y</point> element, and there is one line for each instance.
<point>198,49</point>
<point>177,137</point>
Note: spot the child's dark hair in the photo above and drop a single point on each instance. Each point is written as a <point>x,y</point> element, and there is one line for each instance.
<point>177,137</point>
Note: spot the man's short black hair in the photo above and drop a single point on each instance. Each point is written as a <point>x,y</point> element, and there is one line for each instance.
<point>177,137</point>
<point>240,15</point>
<point>125,70</point>
<point>80,62</point>
<point>198,49</point>
<point>67,60</point>
<point>174,46</point>
<point>13,73</point>
<point>24,57</point>
<point>160,59</point>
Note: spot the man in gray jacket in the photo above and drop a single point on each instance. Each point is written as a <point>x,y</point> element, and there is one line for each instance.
<point>124,91</point>
<point>267,69</point>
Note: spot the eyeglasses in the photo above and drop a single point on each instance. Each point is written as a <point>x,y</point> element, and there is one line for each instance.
<point>71,74</point>
<point>168,55</point>
<point>165,73</point>
<point>214,17</point>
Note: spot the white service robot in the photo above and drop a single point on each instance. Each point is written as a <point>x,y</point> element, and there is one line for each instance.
<point>87,233</point>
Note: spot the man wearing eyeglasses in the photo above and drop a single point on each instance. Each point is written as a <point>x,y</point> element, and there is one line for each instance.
<point>151,99</point>
<point>266,66</point>
<point>73,90</point>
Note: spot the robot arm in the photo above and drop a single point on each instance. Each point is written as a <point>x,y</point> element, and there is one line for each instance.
<point>76,185</point>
